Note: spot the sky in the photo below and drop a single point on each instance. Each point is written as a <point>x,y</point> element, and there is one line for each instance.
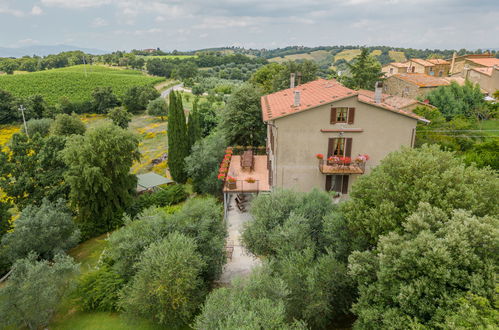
<point>197,24</point>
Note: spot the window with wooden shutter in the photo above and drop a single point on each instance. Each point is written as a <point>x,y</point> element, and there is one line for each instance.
<point>338,183</point>
<point>328,182</point>
<point>333,115</point>
<point>351,115</point>
<point>330,147</point>
<point>348,147</point>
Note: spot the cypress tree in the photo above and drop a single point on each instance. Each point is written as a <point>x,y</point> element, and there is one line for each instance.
<point>193,125</point>
<point>178,143</point>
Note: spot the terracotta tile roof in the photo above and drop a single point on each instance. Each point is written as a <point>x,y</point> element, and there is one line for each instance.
<point>487,71</point>
<point>485,61</point>
<point>322,91</point>
<point>392,103</point>
<point>422,62</point>
<point>400,64</point>
<point>313,94</point>
<point>421,79</point>
<point>438,61</point>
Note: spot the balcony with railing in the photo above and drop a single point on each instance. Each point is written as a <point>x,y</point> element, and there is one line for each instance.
<point>342,165</point>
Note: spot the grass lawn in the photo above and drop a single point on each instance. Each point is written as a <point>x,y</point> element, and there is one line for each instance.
<point>397,56</point>
<point>347,54</point>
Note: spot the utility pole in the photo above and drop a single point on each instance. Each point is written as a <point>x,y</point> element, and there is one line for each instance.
<point>21,108</point>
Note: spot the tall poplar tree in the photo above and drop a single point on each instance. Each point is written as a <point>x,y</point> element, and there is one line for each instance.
<point>194,125</point>
<point>178,143</point>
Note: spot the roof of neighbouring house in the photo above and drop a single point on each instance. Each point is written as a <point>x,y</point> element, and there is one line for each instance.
<point>400,64</point>
<point>320,92</point>
<point>422,62</point>
<point>421,79</point>
<point>151,180</point>
<point>438,61</point>
<point>489,62</point>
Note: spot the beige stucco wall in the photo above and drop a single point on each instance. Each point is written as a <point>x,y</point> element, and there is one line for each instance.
<point>299,138</point>
<point>396,69</point>
<point>395,86</point>
<point>487,83</point>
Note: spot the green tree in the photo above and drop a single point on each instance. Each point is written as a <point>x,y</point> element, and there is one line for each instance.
<point>33,169</point>
<point>8,66</point>
<point>34,290</point>
<point>103,99</point>
<point>414,277</point>
<point>67,125</point>
<point>307,69</point>
<point>120,117</point>
<point>484,154</point>
<point>364,72</point>
<point>381,201</point>
<point>167,286</point>
<point>137,98</point>
<point>241,120</point>
<point>194,125</point>
<point>258,302</point>
<point>264,77</point>
<point>8,111</point>
<point>204,161</point>
<point>99,176</point>
<point>157,108</point>
<point>35,107</point>
<point>178,144</point>
<point>39,126</point>
<point>454,100</point>
<point>45,230</point>
<point>4,218</point>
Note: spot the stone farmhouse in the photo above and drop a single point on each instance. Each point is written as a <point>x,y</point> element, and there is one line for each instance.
<point>395,67</point>
<point>324,135</point>
<point>412,85</point>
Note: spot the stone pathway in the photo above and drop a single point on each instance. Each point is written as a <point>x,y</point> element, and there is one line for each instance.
<point>242,261</point>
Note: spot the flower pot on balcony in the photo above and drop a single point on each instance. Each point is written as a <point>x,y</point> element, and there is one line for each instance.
<point>231,185</point>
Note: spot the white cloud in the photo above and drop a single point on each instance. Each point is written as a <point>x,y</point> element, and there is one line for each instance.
<point>28,41</point>
<point>75,3</point>
<point>35,11</point>
<point>4,9</point>
<point>99,22</point>
<point>160,19</point>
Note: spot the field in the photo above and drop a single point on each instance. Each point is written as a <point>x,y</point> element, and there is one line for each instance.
<point>73,83</point>
<point>397,56</point>
<point>317,55</point>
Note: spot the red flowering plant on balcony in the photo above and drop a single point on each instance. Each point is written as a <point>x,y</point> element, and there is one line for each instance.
<point>362,158</point>
<point>333,160</point>
<point>319,156</point>
<point>231,179</point>
<point>225,164</point>
<point>336,160</point>
<point>221,176</point>
<point>345,160</point>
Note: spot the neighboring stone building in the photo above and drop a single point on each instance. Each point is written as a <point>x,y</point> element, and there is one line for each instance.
<point>325,118</point>
<point>395,67</point>
<point>458,62</point>
<point>432,67</point>
<point>487,78</point>
<point>412,85</point>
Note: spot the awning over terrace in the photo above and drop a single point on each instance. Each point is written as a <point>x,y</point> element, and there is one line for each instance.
<point>151,180</point>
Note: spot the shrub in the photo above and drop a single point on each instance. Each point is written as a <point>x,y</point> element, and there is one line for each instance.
<point>170,195</point>
<point>34,290</point>
<point>68,125</point>
<point>120,117</point>
<point>157,108</point>
<point>254,303</point>
<point>167,286</point>
<point>99,290</point>
<point>39,126</point>
<point>45,230</point>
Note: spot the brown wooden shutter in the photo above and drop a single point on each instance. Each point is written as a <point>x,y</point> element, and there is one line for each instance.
<point>344,184</point>
<point>330,147</point>
<point>328,182</point>
<point>348,147</point>
<point>351,115</point>
<point>333,115</point>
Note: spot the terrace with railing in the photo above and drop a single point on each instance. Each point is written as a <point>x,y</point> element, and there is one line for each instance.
<point>342,165</point>
<point>244,170</point>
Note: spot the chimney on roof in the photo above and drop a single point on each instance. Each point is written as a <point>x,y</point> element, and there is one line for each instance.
<point>292,80</point>
<point>297,99</point>
<point>378,90</point>
<point>299,78</point>
<point>452,63</point>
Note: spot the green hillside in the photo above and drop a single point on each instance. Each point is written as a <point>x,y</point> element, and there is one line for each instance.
<point>73,83</point>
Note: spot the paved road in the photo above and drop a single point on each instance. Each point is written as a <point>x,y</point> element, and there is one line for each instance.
<point>179,87</point>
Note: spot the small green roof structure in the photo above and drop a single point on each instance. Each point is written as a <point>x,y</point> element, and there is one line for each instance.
<point>151,180</point>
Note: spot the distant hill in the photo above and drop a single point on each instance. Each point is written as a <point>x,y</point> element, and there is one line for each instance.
<point>44,50</point>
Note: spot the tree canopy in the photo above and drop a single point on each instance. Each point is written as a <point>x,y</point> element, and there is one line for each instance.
<point>120,117</point>
<point>99,176</point>
<point>363,73</point>
<point>178,143</point>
